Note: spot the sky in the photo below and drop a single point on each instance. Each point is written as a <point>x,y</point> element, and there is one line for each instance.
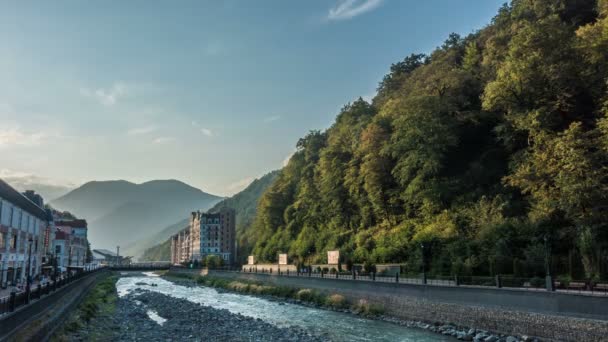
<point>212,93</point>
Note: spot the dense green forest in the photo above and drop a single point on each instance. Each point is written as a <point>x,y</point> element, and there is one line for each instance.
<point>490,151</point>
<point>244,203</point>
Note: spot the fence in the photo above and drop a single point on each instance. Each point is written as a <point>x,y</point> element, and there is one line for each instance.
<point>506,282</point>
<point>17,299</point>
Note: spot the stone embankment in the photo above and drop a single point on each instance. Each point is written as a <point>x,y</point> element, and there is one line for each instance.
<point>451,314</point>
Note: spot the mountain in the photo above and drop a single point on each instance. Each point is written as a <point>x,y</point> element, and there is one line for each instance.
<point>481,158</point>
<point>122,213</point>
<point>47,191</point>
<point>244,203</point>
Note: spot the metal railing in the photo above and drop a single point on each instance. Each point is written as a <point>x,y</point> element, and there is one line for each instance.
<point>501,282</point>
<point>19,298</point>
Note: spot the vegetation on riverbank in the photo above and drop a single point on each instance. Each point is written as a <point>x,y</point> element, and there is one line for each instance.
<point>99,303</point>
<point>333,301</point>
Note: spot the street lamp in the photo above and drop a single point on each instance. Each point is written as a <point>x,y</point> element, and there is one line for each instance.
<point>423,263</point>
<point>29,268</point>
<point>548,279</point>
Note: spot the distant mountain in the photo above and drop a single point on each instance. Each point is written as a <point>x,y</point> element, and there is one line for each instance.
<point>245,204</point>
<point>122,213</point>
<point>47,191</point>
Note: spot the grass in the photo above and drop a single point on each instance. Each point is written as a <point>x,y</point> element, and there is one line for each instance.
<point>100,301</point>
<point>333,301</point>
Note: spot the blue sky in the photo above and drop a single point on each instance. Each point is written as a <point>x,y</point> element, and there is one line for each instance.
<point>213,93</point>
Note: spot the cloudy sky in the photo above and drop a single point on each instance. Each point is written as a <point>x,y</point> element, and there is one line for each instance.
<point>213,93</point>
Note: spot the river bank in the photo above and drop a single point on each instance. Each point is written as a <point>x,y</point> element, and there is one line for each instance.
<point>150,316</point>
<point>315,300</point>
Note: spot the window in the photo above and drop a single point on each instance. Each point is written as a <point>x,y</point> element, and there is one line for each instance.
<point>58,249</point>
<point>14,242</point>
<point>1,240</point>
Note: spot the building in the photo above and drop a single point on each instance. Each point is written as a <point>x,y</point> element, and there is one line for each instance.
<point>106,257</point>
<point>207,234</point>
<point>22,224</point>
<point>70,244</point>
<point>213,234</point>
<point>180,246</point>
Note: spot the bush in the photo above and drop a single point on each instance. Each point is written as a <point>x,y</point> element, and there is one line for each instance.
<point>364,307</point>
<point>325,270</point>
<point>349,265</point>
<point>368,267</point>
<point>336,301</point>
<point>333,270</point>
<point>564,280</point>
<point>306,295</point>
<point>537,282</point>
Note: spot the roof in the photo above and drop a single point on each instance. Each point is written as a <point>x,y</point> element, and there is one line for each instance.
<point>8,193</point>
<point>105,252</point>
<point>72,223</point>
<point>97,255</point>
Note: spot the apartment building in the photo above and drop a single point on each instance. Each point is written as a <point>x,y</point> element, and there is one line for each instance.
<point>213,234</point>
<point>22,224</point>
<point>180,246</point>
<point>207,234</point>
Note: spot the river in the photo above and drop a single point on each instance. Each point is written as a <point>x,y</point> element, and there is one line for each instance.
<point>336,326</point>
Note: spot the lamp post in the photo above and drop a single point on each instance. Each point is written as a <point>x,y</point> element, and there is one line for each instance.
<point>423,263</point>
<point>69,261</point>
<point>548,279</point>
<point>29,268</point>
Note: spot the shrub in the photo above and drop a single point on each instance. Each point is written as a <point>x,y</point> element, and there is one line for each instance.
<point>564,280</point>
<point>364,307</point>
<point>537,282</point>
<point>325,269</point>
<point>306,295</point>
<point>333,270</point>
<point>336,301</point>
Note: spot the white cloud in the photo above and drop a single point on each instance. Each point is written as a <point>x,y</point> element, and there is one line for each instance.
<point>239,185</point>
<point>48,188</point>
<point>207,132</point>
<point>16,137</point>
<point>163,140</point>
<point>29,178</point>
<point>107,97</point>
<point>272,118</point>
<point>347,9</point>
<point>141,130</point>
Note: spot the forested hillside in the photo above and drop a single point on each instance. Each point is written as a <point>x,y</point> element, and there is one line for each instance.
<point>480,150</point>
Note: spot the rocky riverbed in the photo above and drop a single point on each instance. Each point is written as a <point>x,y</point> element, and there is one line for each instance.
<point>179,319</point>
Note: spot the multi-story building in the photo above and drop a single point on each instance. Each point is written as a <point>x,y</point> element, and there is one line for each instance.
<point>70,244</point>
<point>22,224</point>
<point>207,234</point>
<point>180,246</point>
<point>213,234</point>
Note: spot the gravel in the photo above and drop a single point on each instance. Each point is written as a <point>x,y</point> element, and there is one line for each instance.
<point>190,321</point>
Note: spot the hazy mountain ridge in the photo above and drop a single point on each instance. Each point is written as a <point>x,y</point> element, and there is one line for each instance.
<point>120,212</point>
<point>245,204</point>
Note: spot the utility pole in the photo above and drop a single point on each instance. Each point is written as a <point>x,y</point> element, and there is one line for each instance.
<point>548,278</point>
<point>70,261</point>
<point>29,268</point>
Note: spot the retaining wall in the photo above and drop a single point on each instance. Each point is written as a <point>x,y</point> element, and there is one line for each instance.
<point>535,313</point>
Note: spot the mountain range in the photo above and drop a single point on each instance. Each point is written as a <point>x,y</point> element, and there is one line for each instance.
<point>124,213</point>
<point>245,203</point>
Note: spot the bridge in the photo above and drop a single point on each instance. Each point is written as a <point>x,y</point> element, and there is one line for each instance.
<point>142,266</point>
